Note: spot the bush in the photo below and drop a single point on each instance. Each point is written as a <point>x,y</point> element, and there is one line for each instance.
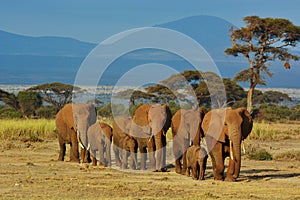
<point>272,112</point>
<point>260,154</point>
<point>9,113</point>
<point>46,112</point>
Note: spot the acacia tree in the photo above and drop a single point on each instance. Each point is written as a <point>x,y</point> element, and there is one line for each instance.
<point>57,94</point>
<point>27,102</point>
<point>261,41</point>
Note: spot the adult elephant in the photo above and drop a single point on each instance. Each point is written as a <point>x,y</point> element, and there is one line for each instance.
<point>72,123</point>
<point>150,125</point>
<point>224,130</point>
<point>100,137</point>
<point>124,145</point>
<point>186,130</point>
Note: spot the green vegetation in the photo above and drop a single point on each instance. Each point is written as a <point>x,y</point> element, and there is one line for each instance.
<point>261,154</point>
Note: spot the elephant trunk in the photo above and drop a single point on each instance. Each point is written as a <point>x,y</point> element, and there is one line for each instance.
<point>235,149</point>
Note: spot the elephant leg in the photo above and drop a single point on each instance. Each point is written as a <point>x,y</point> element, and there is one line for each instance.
<point>143,152</point>
<point>164,143</point>
<point>101,153</point>
<point>184,164</point>
<point>132,161</point>
<point>230,171</point>
<point>178,165</point>
<point>74,153</point>
<point>117,156</point>
<point>202,165</point>
<point>188,171</point>
<point>62,149</point>
<point>178,156</point>
<point>94,159</point>
<point>124,159</point>
<point>184,147</point>
<point>108,154</point>
<point>218,161</point>
<point>194,171</point>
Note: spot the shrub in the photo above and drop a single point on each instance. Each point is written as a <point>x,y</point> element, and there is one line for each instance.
<point>46,112</point>
<point>9,113</point>
<point>260,154</point>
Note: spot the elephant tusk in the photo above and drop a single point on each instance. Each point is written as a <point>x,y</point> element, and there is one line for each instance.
<point>135,162</point>
<point>243,147</point>
<point>231,150</point>
<point>79,141</point>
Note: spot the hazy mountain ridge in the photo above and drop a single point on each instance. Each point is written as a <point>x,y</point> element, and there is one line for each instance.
<point>35,60</point>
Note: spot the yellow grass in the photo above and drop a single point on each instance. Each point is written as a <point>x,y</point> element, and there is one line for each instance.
<point>27,129</point>
<point>274,131</point>
<point>40,129</point>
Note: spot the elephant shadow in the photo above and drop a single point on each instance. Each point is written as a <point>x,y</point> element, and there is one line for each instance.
<point>265,174</point>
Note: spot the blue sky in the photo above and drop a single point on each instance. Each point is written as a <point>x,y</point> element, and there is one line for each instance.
<point>96,20</point>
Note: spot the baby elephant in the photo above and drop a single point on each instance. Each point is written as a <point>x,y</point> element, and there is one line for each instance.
<point>99,139</point>
<point>196,158</point>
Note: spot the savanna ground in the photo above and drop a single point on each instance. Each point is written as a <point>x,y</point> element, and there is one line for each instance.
<point>29,170</point>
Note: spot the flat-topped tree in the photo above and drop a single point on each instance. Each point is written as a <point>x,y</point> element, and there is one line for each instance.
<point>261,41</point>
<point>57,94</point>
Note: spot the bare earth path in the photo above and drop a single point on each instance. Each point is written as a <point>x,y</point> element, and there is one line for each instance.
<point>30,171</point>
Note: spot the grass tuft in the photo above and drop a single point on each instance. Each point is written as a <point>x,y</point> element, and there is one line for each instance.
<point>288,156</point>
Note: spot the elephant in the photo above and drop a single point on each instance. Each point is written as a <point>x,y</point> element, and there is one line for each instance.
<point>186,130</point>
<point>196,159</point>
<point>150,125</point>
<point>72,123</point>
<point>124,145</point>
<point>224,130</point>
<point>100,137</point>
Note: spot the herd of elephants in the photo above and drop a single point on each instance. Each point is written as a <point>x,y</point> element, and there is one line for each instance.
<point>195,135</point>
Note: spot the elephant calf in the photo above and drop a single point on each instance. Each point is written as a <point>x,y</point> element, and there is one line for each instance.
<point>124,145</point>
<point>99,139</point>
<point>196,159</point>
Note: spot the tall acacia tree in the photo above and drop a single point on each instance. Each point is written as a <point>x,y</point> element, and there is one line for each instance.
<point>261,41</point>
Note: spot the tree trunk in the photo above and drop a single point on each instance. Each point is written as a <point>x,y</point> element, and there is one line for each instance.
<point>249,99</point>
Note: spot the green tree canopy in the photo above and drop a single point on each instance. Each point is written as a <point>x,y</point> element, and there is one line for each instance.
<point>29,102</point>
<point>57,94</point>
<point>261,41</point>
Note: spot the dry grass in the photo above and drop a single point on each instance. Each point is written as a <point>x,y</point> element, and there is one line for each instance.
<point>27,129</point>
<point>274,131</point>
<point>292,155</point>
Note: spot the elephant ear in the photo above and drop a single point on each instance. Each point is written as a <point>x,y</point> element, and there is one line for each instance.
<point>68,117</point>
<point>247,123</point>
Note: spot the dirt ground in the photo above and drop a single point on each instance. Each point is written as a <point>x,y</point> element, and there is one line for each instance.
<point>30,171</point>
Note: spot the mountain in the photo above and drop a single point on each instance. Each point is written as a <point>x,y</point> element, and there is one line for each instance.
<point>35,60</point>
